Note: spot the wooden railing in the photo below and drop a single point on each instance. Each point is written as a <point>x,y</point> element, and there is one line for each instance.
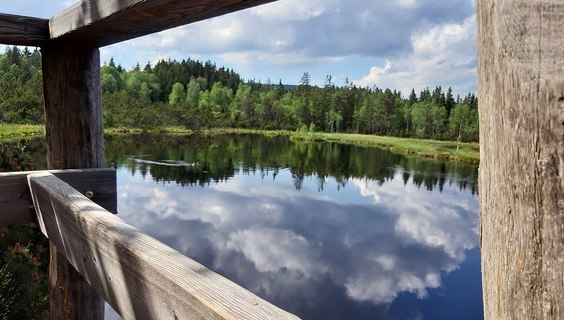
<point>15,199</point>
<point>140,277</point>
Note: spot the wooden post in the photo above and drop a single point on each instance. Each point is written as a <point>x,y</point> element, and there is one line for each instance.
<point>521,94</point>
<point>74,134</point>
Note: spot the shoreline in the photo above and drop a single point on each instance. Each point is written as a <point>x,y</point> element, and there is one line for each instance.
<point>431,149</point>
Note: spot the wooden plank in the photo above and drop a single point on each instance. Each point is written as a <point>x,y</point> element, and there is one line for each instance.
<point>16,206</point>
<point>140,277</point>
<point>75,139</point>
<point>24,31</point>
<point>521,93</point>
<point>103,22</point>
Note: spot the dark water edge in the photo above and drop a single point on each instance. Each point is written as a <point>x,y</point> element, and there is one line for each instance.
<point>323,230</point>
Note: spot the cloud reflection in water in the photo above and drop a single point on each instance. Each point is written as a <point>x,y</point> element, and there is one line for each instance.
<point>311,252</point>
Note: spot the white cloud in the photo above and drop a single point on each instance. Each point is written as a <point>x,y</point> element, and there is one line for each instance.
<point>272,250</point>
<point>444,55</point>
<point>386,261</point>
<point>308,34</point>
<point>375,75</point>
<point>407,4</point>
<point>383,289</point>
<point>367,190</point>
<point>291,10</point>
<point>287,37</point>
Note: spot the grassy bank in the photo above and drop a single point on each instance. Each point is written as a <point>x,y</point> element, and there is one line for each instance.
<point>434,149</point>
<point>442,150</point>
<point>15,131</point>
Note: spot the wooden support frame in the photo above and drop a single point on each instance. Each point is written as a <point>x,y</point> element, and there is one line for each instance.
<point>75,139</point>
<point>23,31</point>
<point>16,206</point>
<point>98,23</point>
<point>72,89</point>
<point>140,277</point>
<point>103,22</point>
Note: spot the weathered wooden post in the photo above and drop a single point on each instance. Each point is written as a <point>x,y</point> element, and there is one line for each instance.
<point>75,139</point>
<point>521,92</point>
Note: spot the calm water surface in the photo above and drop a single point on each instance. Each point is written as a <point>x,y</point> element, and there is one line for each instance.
<point>324,231</point>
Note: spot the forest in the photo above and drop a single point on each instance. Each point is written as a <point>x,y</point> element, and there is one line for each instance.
<point>197,95</point>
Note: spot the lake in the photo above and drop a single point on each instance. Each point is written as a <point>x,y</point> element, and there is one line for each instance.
<point>325,231</point>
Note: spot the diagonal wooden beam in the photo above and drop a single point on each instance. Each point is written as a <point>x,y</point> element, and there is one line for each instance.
<point>24,31</point>
<point>103,22</point>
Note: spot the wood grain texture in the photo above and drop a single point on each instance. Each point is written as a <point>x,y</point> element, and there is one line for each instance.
<point>23,31</point>
<point>16,206</point>
<point>140,277</point>
<point>103,22</point>
<point>521,93</point>
<point>75,139</point>
<point>73,106</point>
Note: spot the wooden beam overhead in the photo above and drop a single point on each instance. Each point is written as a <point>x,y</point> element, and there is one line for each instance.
<point>23,31</point>
<point>103,22</point>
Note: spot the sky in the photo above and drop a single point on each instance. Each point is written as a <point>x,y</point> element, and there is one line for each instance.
<point>397,44</point>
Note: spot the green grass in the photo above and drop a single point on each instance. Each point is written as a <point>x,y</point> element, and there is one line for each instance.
<point>15,131</point>
<point>441,150</point>
<point>434,149</point>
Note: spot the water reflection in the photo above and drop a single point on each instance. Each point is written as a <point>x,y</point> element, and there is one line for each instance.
<point>201,160</point>
<point>324,231</point>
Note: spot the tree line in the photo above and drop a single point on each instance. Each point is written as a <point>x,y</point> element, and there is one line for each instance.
<point>195,94</point>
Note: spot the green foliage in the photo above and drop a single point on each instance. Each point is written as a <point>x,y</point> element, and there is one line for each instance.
<point>196,94</point>
<point>220,97</point>
<point>21,87</point>
<point>329,109</point>
<point>463,123</point>
<point>178,95</point>
<point>421,119</point>
<point>311,127</point>
<point>23,283</point>
<point>23,258</point>
<point>193,93</point>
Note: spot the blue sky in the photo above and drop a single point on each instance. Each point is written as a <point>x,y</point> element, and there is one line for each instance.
<point>398,44</point>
